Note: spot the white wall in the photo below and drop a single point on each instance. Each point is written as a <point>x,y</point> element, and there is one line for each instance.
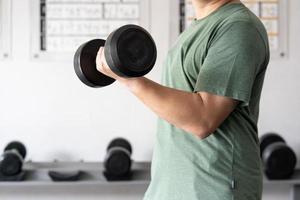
<point>47,107</point>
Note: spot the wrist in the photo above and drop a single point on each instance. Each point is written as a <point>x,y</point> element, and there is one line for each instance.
<point>132,84</point>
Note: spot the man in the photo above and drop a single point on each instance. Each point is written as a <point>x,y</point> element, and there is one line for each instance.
<point>207,142</point>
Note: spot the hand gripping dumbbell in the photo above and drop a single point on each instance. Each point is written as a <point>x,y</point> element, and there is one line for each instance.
<point>12,159</point>
<point>279,160</point>
<point>118,161</point>
<point>129,51</point>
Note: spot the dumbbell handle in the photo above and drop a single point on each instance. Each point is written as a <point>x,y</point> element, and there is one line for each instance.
<point>121,149</point>
<point>17,153</point>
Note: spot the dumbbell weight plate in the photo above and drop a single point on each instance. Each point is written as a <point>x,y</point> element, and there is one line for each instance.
<point>130,51</point>
<point>85,64</point>
<point>118,157</point>
<point>268,139</point>
<point>18,146</point>
<point>120,142</point>
<point>117,162</point>
<point>11,165</point>
<point>13,156</point>
<point>279,161</point>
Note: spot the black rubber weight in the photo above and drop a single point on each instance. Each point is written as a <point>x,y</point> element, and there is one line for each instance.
<point>268,139</point>
<point>11,165</point>
<point>130,51</point>
<point>18,146</point>
<point>118,163</point>
<point>85,64</point>
<point>279,160</point>
<point>65,175</point>
<point>120,142</point>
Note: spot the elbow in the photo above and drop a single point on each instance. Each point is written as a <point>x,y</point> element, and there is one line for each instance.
<point>201,131</point>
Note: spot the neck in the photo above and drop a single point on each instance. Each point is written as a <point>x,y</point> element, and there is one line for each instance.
<point>204,7</point>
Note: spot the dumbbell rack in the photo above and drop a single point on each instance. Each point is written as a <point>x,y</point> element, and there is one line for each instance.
<point>294,183</point>
<point>37,177</point>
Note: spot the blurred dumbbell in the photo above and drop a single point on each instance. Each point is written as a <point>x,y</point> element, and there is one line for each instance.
<point>129,51</point>
<point>279,160</point>
<point>12,159</point>
<point>118,161</point>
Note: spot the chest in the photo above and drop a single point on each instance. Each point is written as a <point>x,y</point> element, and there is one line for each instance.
<point>185,58</point>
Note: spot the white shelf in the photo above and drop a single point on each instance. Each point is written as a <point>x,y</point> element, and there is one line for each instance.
<point>37,175</point>
<point>295,180</point>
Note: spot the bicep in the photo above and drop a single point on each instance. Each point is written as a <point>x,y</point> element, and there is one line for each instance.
<point>217,108</point>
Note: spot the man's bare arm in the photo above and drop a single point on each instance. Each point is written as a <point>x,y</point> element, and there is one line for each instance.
<point>197,113</point>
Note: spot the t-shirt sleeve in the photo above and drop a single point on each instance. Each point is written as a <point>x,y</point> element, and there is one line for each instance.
<point>233,59</point>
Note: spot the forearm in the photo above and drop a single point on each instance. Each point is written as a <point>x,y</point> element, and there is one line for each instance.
<point>184,110</point>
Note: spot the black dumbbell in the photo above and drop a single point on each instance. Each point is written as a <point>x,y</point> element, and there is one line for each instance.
<point>118,161</point>
<point>129,51</point>
<point>12,159</point>
<point>279,160</point>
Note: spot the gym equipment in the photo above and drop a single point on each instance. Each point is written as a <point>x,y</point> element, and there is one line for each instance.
<point>118,161</point>
<point>12,159</point>
<point>130,51</point>
<point>65,175</point>
<point>279,160</point>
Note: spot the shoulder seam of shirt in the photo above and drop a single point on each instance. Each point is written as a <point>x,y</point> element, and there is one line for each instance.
<point>253,25</point>
<point>266,47</point>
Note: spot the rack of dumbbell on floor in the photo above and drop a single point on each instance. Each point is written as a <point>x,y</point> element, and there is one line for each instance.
<point>117,164</point>
<point>278,159</point>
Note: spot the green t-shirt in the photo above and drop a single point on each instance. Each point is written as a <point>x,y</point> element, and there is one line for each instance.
<point>226,54</point>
